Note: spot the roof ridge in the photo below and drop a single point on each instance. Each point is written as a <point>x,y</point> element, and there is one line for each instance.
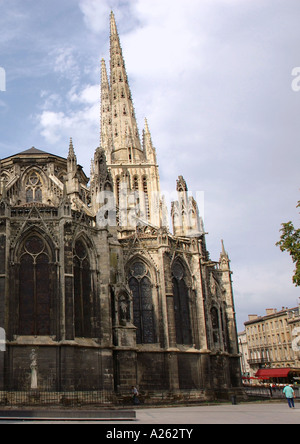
<point>33,150</point>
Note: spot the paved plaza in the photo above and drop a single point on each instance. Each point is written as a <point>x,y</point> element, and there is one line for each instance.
<point>246,413</point>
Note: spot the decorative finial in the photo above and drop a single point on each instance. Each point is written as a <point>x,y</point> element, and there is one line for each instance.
<point>71,148</point>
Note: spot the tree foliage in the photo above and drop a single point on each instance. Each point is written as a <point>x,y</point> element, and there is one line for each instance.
<point>290,242</point>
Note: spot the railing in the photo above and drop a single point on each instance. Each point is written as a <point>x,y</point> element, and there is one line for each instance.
<point>43,397</point>
<point>258,361</point>
<point>268,392</point>
<point>65,399</point>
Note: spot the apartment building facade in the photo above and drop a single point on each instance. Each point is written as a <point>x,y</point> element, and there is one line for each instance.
<point>271,341</point>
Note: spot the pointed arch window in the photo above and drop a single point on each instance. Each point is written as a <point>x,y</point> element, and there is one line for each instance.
<point>34,288</point>
<point>82,291</point>
<point>34,188</point>
<point>143,309</point>
<point>181,305</point>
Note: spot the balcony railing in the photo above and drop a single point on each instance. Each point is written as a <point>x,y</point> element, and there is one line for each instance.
<point>258,361</point>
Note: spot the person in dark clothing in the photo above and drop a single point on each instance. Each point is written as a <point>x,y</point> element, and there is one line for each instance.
<point>135,395</point>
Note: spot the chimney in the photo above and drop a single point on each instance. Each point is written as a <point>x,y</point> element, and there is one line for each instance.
<point>271,311</point>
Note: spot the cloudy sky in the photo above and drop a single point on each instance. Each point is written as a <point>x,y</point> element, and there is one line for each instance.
<point>213,77</point>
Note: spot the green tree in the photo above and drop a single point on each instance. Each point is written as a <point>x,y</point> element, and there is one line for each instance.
<point>290,241</point>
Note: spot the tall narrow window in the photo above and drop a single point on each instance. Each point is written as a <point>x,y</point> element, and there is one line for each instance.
<point>29,195</point>
<point>118,187</point>
<point>146,197</point>
<point>82,291</point>
<point>135,183</point>
<point>215,325</point>
<point>38,195</point>
<point>181,305</point>
<point>135,187</point>
<point>34,290</point>
<point>143,310</point>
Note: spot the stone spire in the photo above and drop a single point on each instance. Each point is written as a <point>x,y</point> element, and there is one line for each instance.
<point>106,119</point>
<point>149,150</point>
<point>224,258</point>
<point>101,180</point>
<point>125,136</point>
<point>229,299</point>
<point>185,213</point>
<point>72,159</point>
<point>131,162</point>
<point>71,149</point>
<point>72,183</point>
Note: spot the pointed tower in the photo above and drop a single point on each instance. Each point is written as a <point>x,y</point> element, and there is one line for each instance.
<point>106,117</point>
<point>76,182</point>
<point>72,183</point>
<point>132,164</point>
<point>72,160</point>
<point>101,180</point>
<point>185,213</point>
<point>149,150</point>
<point>229,300</point>
<point>126,141</point>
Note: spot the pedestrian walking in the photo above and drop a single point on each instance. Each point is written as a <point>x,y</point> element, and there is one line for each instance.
<point>289,394</point>
<point>135,395</point>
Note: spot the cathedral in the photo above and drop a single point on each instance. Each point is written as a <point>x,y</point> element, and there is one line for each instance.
<point>97,292</point>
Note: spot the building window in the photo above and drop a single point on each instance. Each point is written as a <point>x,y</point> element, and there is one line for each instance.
<point>143,309</point>
<point>181,305</point>
<point>118,189</point>
<point>34,188</point>
<point>146,197</point>
<point>215,326</point>
<point>29,195</point>
<point>82,291</point>
<point>34,289</point>
<point>135,183</point>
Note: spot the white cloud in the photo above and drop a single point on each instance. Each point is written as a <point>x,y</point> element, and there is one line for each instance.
<point>51,100</point>
<point>96,13</point>
<point>65,63</point>
<point>50,123</point>
<point>13,22</point>
<point>82,126</point>
<point>90,94</point>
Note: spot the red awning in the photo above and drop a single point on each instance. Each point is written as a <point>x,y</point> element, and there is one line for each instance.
<point>273,373</point>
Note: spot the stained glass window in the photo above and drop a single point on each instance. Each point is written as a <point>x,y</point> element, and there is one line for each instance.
<point>33,188</point>
<point>82,291</point>
<point>34,290</point>
<point>181,305</point>
<point>215,325</point>
<point>143,310</point>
